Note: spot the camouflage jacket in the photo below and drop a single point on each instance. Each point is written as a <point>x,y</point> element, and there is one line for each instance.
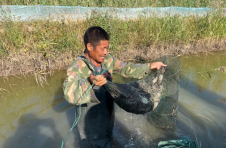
<point>77,84</point>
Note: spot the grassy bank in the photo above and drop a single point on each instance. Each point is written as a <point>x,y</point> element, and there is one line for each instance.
<point>51,36</point>
<point>119,3</point>
<point>41,46</point>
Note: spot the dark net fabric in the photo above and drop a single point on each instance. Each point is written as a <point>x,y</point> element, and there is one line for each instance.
<point>130,98</point>
<point>156,95</point>
<point>137,97</point>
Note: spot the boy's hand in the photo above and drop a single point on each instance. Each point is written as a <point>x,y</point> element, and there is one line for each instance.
<point>100,80</point>
<point>157,65</point>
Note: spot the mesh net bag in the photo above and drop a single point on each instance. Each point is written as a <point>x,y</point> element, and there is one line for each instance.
<point>164,115</point>
<point>137,97</point>
<point>156,94</point>
<point>130,98</point>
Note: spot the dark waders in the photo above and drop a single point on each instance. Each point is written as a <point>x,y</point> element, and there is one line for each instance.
<point>96,122</point>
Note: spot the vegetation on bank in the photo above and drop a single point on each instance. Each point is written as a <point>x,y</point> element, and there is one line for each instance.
<point>59,36</point>
<point>120,3</point>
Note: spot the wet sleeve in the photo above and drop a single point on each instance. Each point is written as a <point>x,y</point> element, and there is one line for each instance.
<point>77,88</point>
<point>131,70</point>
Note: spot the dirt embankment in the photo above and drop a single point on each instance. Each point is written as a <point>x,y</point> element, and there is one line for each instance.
<point>23,63</point>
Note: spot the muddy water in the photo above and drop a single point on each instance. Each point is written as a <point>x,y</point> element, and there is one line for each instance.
<point>37,116</point>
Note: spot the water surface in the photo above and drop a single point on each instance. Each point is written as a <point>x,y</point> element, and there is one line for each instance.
<point>38,116</point>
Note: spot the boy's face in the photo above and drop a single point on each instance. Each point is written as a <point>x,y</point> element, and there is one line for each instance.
<point>99,52</point>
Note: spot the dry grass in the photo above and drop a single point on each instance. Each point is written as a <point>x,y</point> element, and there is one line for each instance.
<point>41,66</point>
<point>45,45</point>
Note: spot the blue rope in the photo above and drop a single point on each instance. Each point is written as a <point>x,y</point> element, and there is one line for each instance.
<point>79,115</point>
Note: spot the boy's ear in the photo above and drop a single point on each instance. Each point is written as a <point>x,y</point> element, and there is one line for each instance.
<point>89,46</point>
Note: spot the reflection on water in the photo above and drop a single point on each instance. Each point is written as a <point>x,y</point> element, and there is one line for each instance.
<point>202,91</point>
<point>35,116</point>
<point>202,70</point>
<point>31,115</point>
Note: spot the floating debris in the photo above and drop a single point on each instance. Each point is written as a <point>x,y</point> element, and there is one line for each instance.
<point>222,100</point>
<point>222,69</point>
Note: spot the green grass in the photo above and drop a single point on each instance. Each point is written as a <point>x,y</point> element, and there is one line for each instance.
<point>52,36</point>
<point>120,3</point>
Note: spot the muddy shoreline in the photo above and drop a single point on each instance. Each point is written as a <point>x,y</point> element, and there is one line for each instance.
<point>23,63</point>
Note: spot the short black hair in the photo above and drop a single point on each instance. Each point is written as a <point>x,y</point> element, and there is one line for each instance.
<point>94,35</point>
